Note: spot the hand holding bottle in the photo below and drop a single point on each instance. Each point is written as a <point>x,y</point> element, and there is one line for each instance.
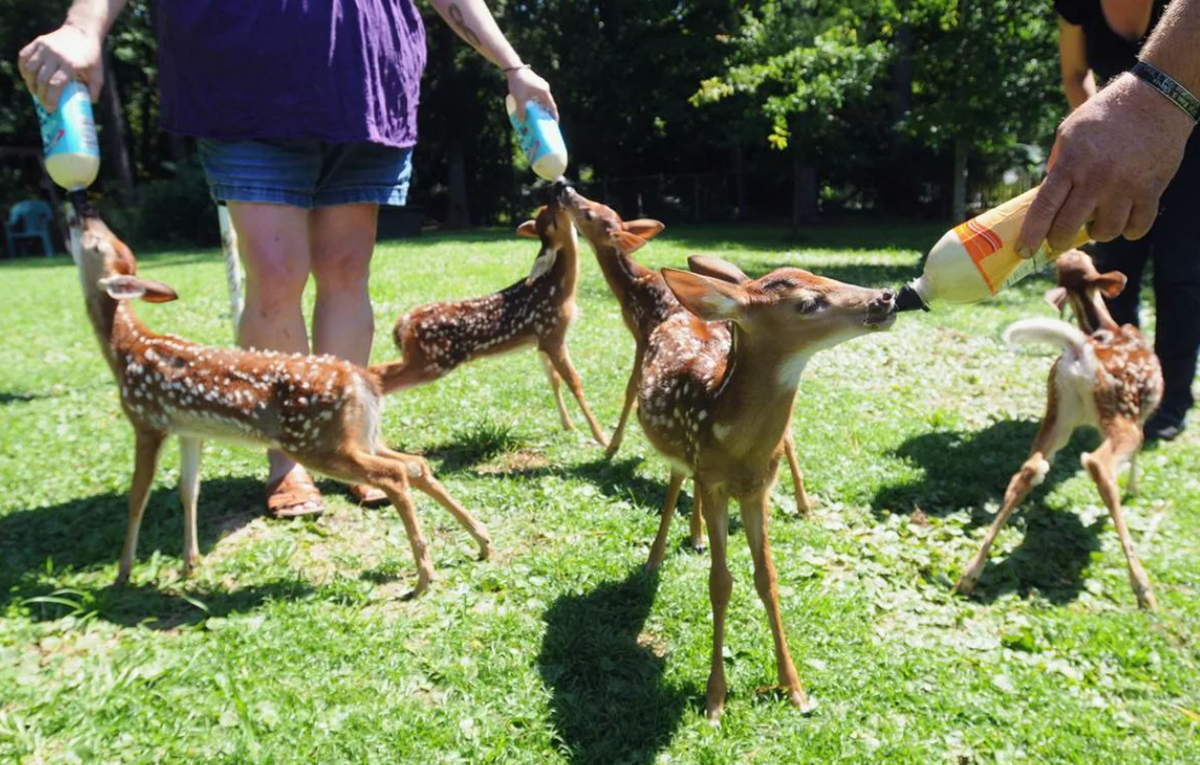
<point>51,61</point>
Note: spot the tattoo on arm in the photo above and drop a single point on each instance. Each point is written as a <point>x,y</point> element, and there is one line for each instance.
<point>456,15</point>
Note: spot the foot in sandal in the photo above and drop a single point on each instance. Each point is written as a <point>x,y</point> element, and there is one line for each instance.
<point>293,494</point>
<point>367,496</point>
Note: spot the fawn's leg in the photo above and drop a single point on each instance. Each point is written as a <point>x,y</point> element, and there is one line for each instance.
<point>556,386</point>
<point>1052,436</point>
<point>720,585</point>
<point>803,505</point>
<point>1131,486</point>
<point>409,372</point>
<point>659,547</point>
<point>189,493</point>
<point>756,515</point>
<point>421,476</point>
<point>561,360</point>
<point>148,445</point>
<point>696,522</point>
<point>1122,439</point>
<point>631,389</point>
<point>391,476</point>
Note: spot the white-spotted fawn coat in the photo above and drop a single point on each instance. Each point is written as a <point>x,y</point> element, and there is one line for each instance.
<point>646,303</point>
<point>322,412</point>
<point>435,338</point>
<point>1107,377</point>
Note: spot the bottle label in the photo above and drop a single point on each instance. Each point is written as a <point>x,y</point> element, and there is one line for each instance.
<point>538,134</point>
<point>981,242</point>
<point>70,129</point>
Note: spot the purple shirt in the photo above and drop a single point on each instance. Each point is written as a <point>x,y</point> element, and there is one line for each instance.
<point>333,70</point>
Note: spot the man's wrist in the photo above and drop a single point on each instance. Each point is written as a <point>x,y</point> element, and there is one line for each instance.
<point>1151,101</point>
<point>1168,88</point>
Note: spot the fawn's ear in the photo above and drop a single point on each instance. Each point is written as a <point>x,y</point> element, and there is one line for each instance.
<point>528,228</point>
<point>1057,298</point>
<point>710,299</point>
<point>716,268</point>
<point>646,228</point>
<point>157,292</point>
<point>627,242</point>
<point>1111,283</point>
<point>129,287</point>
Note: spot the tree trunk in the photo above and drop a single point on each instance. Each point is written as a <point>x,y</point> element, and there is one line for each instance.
<point>804,189</point>
<point>902,74</point>
<point>458,214</point>
<point>739,181</point>
<point>958,198</point>
<point>116,150</point>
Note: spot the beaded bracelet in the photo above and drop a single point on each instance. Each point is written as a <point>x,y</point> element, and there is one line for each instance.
<point>1169,87</point>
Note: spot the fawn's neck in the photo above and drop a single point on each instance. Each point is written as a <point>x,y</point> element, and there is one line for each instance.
<point>115,325</point>
<point>754,402</point>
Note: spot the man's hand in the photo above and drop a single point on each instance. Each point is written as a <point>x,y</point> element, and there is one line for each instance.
<point>1111,161</point>
<point>51,61</point>
<point>525,85</point>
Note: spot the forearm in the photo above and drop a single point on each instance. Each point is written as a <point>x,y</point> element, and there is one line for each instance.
<point>94,17</point>
<point>473,22</point>
<point>1174,47</point>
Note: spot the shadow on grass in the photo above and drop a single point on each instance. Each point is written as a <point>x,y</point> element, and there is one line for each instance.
<point>969,470</point>
<point>10,397</point>
<point>88,533</point>
<point>608,703</point>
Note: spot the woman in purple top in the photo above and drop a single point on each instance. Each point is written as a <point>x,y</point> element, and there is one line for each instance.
<point>305,113</point>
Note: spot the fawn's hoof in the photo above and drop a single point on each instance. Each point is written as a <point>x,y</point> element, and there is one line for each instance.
<point>485,549</point>
<point>122,579</point>
<point>1145,599</point>
<point>699,547</point>
<point>423,580</point>
<point>800,700</point>
<point>966,585</point>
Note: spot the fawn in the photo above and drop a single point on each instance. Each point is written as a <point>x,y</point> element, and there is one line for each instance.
<point>437,337</point>
<point>719,411</point>
<point>646,303</point>
<point>1107,377</point>
<point>321,411</point>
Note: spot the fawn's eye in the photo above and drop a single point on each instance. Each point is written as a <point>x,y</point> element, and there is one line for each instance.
<point>810,304</point>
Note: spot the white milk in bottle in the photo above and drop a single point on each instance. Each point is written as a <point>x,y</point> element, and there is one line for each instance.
<point>977,259</point>
<point>71,153</point>
<point>540,138</point>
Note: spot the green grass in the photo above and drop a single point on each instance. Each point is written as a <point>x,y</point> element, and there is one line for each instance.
<point>291,643</point>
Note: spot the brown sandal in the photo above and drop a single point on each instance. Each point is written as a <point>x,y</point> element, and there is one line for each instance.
<point>367,496</point>
<point>294,495</point>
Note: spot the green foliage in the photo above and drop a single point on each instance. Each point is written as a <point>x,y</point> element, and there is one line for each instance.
<point>290,643</point>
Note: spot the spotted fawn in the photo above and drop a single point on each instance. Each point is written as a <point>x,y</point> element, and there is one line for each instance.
<point>435,338</point>
<point>321,411</point>
<point>1107,377</point>
<point>647,303</point>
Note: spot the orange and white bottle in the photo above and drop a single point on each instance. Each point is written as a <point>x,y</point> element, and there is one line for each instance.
<point>977,259</point>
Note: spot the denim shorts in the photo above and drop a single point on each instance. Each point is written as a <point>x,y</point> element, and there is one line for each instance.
<point>305,172</point>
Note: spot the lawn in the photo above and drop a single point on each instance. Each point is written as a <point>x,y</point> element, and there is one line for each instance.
<point>291,642</point>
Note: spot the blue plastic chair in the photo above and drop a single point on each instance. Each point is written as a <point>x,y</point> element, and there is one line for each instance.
<point>30,219</point>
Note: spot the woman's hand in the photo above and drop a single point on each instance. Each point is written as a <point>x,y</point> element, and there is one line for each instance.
<point>52,60</point>
<point>525,85</point>
<point>1110,164</point>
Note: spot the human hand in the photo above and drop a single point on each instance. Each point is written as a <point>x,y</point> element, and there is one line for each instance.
<point>1112,160</point>
<point>524,84</point>
<point>52,60</point>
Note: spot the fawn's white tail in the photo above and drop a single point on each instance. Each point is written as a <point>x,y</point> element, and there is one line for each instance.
<point>1051,331</point>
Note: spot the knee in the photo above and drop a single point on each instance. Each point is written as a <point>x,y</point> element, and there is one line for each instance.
<point>274,280</point>
<point>343,270</point>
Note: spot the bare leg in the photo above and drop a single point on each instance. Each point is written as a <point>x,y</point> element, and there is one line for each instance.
<point>189,493</point>
<point>803,504</point>
<point>658,548</point>
<point>1052,436</point>
<point>556,386</point>
<point>148,446</point>
<point>276,252</point>
<point>561,360</point>
<point>720,585</point>
<point>343,240</point>
<point>755,517</point>
<point>631,389</point>
<point>1123,440</point>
